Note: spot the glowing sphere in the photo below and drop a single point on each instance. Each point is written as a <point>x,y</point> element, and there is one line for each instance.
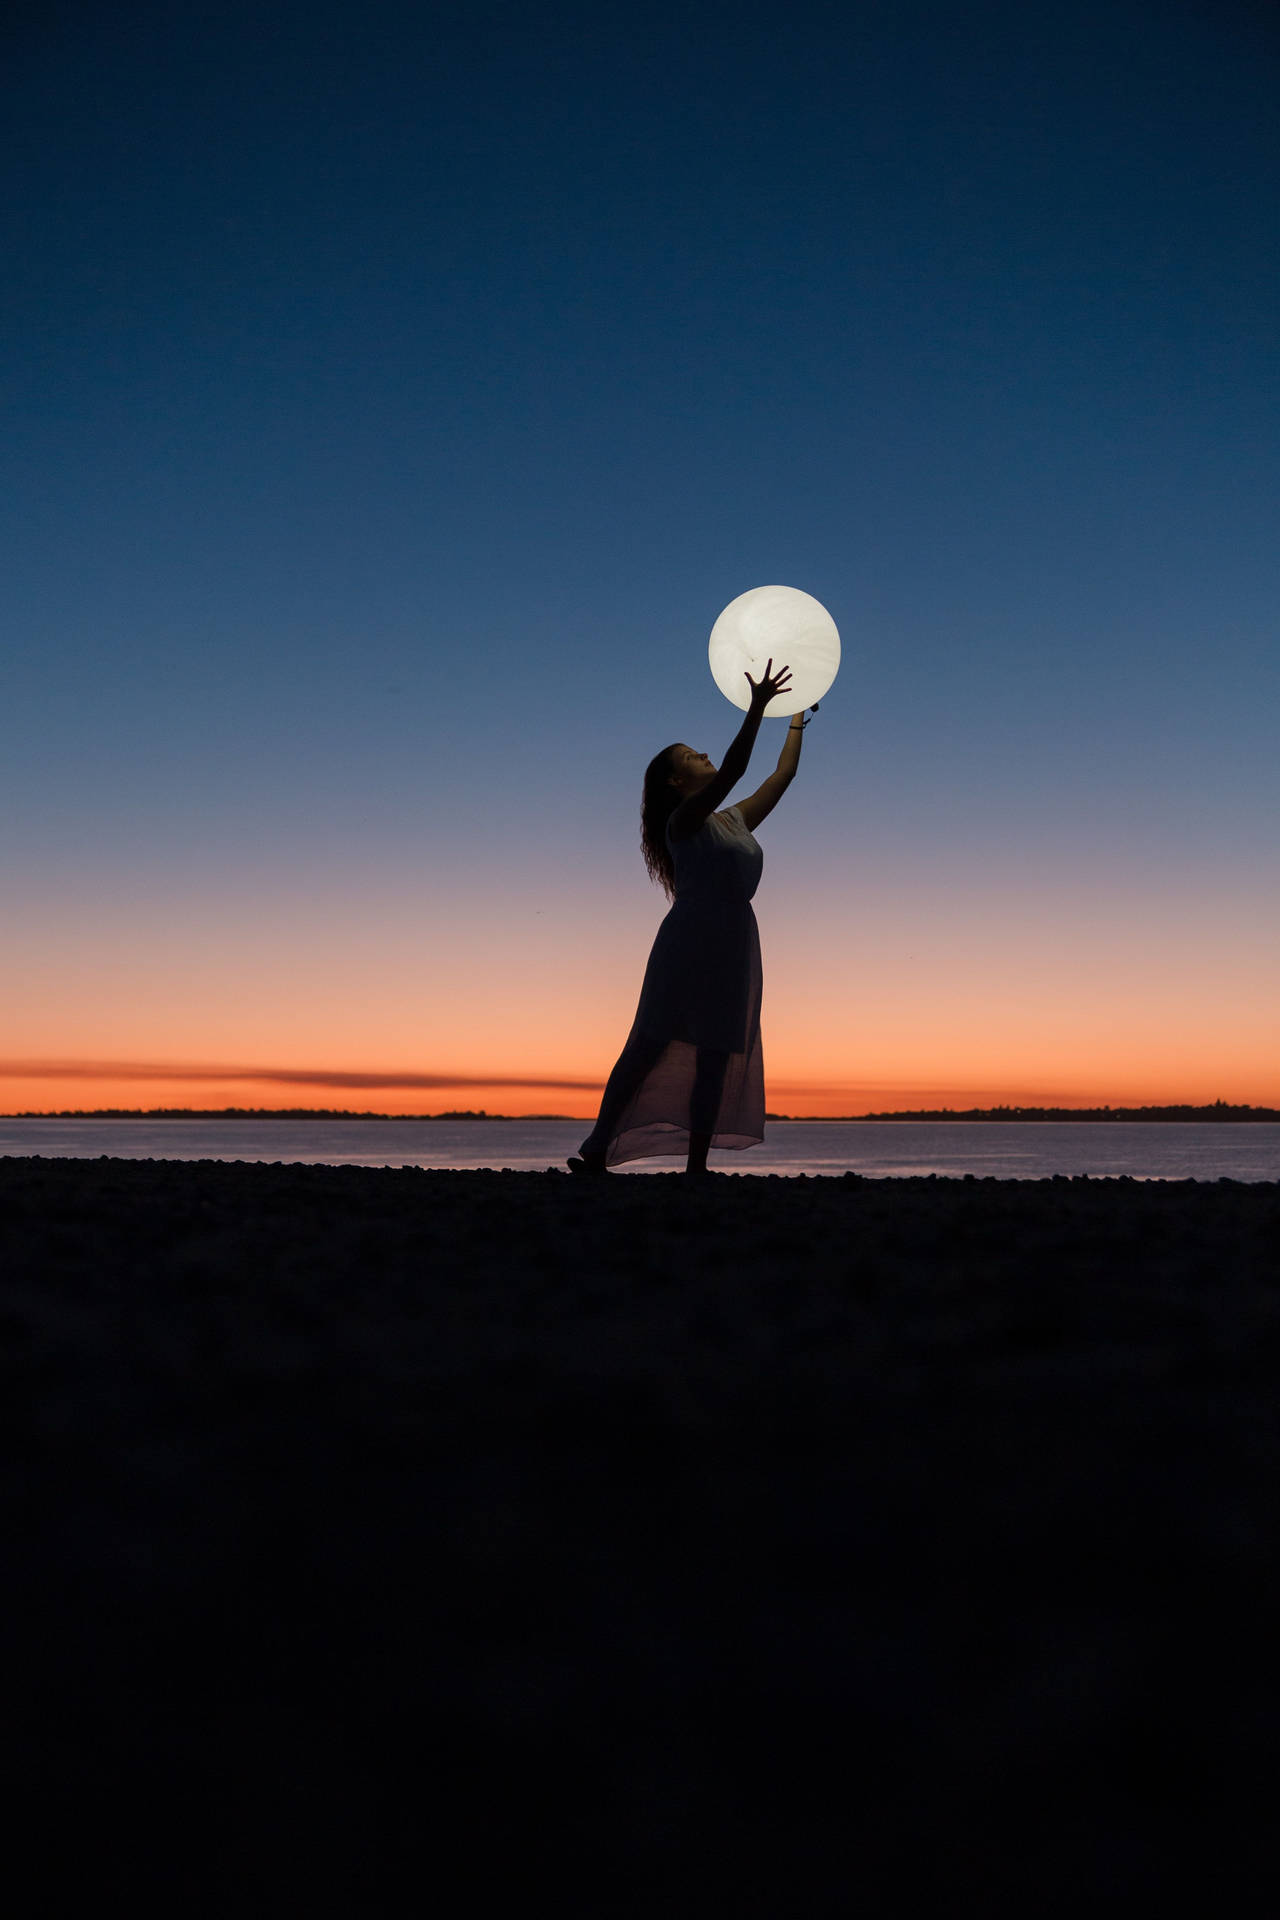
<point>783,625</point>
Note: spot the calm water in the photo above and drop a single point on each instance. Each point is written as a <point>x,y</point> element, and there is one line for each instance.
<point>1007,1150</point>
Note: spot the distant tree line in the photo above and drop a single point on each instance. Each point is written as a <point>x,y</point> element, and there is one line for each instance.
<point>266,1113</point>
<point>1220,1110</point>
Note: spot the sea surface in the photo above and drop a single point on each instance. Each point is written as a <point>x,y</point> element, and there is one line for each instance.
<point>1001,1150</point>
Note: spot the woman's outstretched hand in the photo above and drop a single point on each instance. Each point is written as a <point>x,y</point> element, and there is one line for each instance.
<point>764,689</point>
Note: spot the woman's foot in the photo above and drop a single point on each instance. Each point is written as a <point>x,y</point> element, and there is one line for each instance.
<point>699,1147</point>
<point>587,1163</point>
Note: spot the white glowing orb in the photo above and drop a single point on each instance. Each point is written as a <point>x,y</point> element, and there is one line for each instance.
<point>783,625</point>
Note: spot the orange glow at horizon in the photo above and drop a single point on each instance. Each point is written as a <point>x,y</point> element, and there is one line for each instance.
<point>879,996</point>
<point>50,1086</point>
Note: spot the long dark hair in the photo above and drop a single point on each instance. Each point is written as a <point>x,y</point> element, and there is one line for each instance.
<point>659,803</point>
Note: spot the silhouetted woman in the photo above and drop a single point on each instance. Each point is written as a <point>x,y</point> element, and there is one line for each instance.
<point>691,1075</point>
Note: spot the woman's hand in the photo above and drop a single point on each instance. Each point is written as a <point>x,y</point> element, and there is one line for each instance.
<point>768,685</point>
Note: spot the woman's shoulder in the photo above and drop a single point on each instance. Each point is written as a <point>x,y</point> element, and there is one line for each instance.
<point>729,820</point>
<point>728,816</point>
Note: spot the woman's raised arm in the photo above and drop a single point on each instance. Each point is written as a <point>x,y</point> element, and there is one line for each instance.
<point>699,806</point>
<point>767,795</point>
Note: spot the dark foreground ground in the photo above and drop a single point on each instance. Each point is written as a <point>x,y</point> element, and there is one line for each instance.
<point>777,1546</point>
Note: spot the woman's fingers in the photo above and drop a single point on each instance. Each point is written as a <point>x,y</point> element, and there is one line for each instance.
<point>776,683</point>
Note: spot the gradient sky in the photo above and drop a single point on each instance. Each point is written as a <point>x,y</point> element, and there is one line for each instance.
<point>393,398</point>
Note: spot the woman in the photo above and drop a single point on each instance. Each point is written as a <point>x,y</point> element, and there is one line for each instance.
<point>691,1075</point>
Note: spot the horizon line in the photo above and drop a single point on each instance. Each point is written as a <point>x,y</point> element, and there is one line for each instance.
<point>470,1113</point>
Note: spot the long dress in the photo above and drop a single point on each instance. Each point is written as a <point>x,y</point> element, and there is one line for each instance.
<point>702,989</point>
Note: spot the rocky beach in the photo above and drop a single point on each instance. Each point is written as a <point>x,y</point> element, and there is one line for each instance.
<point>754,1545</point>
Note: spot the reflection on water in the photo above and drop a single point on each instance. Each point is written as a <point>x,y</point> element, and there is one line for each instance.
<point>1003,1150</point>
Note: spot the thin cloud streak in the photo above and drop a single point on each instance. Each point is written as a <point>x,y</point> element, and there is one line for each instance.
<point>278,1076</point>
<point>816,1098</point>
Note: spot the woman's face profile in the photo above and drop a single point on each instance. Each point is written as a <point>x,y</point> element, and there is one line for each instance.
<point>690,769</point>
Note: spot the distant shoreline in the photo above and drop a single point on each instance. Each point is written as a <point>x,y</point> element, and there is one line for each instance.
<point>1220,1110</point>
<point>271,1113</point>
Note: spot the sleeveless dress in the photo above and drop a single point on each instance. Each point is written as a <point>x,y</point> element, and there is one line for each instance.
<point>702,988</point>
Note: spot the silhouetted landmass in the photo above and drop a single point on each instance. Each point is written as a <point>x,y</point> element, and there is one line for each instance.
<point>267,1113</point>
<point>1220,1110</point>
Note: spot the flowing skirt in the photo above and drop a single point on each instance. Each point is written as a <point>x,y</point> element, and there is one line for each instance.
<point>702,990</point>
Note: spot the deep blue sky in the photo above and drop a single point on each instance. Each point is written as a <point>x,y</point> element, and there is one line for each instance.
<point>395,395</point>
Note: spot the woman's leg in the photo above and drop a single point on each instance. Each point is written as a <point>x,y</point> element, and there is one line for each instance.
<point>633,1063</point>
<point>704,1108</point>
